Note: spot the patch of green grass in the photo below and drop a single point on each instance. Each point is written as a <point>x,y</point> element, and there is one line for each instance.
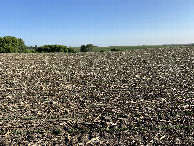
<point>31,51</point>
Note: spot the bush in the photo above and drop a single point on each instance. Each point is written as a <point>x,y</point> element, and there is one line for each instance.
<point>115,49</point>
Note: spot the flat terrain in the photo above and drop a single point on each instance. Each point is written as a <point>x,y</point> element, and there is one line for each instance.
<point>136,97</point>
<point>122,48</point>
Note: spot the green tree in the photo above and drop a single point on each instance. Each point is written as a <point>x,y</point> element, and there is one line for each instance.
<point>35,47</point>
<point>71,50</point>
<point>90,47</point>
<point>83,48</point>
<point>10,44</point>
<point>22,47</point>
<point>86,48</point>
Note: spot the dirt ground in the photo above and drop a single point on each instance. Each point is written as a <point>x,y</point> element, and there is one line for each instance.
<point>138,97</point>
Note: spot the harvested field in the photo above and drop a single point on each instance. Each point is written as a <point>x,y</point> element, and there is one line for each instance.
<point>137,97</point>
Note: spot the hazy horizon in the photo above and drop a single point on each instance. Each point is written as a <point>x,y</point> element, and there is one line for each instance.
<point>102,22</point>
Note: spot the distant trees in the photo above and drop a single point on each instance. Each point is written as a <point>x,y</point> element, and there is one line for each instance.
<point>86,48</point>
<point>71,50</point>
<point>30,47</point>
<point>10,44</point>
<point>35,47</point>
<point>83,48</point>
<point>115,49</point>
<point>90,47</point>
<point>54,48</point>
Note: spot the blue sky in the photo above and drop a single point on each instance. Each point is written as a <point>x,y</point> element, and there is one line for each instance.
<point>100,22</point>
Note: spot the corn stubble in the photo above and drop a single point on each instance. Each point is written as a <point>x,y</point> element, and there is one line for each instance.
<point>138,97</point>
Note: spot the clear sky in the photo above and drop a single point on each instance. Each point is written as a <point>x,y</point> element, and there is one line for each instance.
<point>100,22</point>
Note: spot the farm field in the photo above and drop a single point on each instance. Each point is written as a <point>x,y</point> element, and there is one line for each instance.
<point>131,97</point>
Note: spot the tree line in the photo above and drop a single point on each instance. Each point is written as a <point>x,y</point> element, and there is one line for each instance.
<point>10,44</point>
<point>54,48</point>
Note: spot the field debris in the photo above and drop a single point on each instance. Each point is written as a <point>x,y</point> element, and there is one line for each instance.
<point>137,97</point>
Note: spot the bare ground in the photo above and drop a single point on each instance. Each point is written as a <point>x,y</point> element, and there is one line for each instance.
<point>139,97</point>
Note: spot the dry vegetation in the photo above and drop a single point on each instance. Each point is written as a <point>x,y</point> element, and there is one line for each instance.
<point>134,97</point>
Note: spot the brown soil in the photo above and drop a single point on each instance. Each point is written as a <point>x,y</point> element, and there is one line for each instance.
<point>139,97</point>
